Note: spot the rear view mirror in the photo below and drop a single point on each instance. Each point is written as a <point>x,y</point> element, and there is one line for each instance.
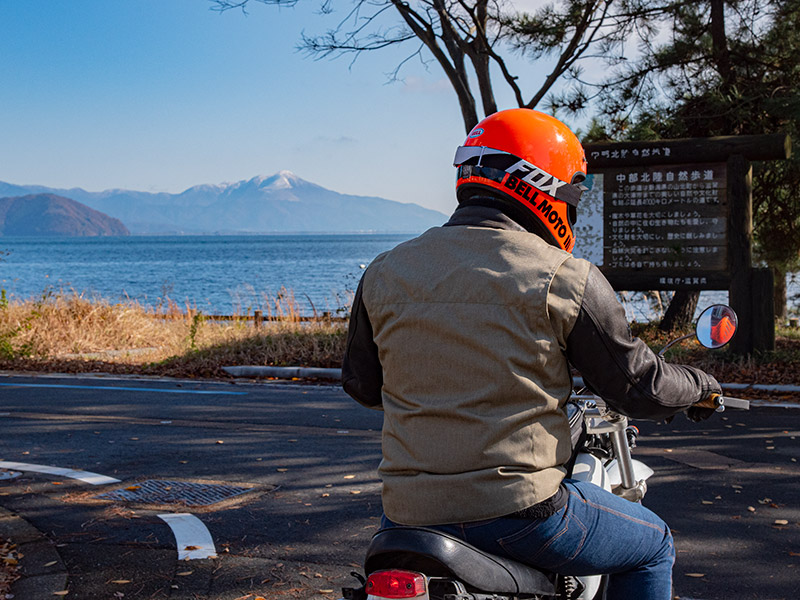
<point>716,326</point>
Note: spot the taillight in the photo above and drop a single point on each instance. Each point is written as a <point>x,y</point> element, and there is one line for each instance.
<point>395,584</point>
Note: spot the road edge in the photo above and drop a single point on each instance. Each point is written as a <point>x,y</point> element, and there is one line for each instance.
<point>42,571</point>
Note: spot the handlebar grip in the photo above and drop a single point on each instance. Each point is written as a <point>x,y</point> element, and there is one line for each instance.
<point>714,401</point>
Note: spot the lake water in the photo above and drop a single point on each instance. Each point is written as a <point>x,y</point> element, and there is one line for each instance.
<point>215,274</point>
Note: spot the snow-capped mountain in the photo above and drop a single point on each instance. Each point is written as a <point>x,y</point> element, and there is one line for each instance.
<point>280,203</point>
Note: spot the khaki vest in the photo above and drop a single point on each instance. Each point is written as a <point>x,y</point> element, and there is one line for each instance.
<point>471,325</point>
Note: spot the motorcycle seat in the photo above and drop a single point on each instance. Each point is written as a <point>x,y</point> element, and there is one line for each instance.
<point>437,554</point>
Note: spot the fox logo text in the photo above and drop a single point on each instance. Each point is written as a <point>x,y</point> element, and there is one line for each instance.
<point>544,182</point>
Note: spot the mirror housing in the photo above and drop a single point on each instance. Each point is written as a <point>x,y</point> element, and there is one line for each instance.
<point>716,326</point>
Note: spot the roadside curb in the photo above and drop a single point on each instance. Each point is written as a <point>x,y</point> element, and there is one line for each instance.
<point>284,372</point>
<point>313,372</point>
<point>42,571</point>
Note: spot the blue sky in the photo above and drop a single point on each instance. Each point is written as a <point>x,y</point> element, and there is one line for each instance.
<point>160,95</point>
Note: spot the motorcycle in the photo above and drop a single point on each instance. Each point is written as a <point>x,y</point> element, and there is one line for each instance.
<point>425,564</point>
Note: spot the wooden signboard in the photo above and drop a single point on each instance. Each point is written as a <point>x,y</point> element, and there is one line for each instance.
<point>677,214</point>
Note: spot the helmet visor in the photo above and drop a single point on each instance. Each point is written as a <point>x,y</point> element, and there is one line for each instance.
<point>507,163</point>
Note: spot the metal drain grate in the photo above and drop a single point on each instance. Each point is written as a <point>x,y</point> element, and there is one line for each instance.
<point>155,491</point>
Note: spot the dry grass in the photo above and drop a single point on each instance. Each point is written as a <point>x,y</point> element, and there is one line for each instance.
<point>69,333</point>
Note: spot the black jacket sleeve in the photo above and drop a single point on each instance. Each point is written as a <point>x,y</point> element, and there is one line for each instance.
<point>362,375</point>
<point>621,369</point>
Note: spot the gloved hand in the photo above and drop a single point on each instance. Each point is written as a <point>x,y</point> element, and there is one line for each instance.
<point>702,410</point>
<point>699,413</point>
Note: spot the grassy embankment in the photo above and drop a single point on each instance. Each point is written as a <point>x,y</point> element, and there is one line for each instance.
<point>70,334</point>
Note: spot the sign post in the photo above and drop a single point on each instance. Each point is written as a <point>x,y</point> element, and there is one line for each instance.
<point>677,214</point>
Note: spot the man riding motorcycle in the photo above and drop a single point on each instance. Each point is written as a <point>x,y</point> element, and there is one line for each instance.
<point>464,337</point>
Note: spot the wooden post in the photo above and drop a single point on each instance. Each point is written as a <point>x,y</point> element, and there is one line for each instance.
<point>258,317</point>
<point>740,255</point>
<point>763,282</point>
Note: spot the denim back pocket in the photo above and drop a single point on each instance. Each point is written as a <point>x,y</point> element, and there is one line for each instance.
<point>547,543</point>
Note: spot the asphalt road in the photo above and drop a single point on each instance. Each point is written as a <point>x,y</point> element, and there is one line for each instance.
<point>306,457</point>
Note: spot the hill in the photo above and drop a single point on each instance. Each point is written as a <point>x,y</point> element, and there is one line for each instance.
<point>281,203</point>
<point>52,215</point>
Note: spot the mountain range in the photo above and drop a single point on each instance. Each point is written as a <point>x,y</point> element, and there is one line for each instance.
<point>280,203</point>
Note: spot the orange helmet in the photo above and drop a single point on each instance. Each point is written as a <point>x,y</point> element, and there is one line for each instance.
<point>531,158</point>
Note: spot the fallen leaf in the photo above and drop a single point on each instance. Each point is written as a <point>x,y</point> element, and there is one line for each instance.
<point>281,470</point>
<point>751,509</point>
<point>51,563</point>
<point>121,581</point>
<point>765,501</point>
<point>220,442</point>
<point>61,593</point>
<point>184,573</point>
<point>695,574</point>
<point>355,491</point>
<point>190,548</point>
<point>737,487</point>
<point>706,502</point>
<point>133,488</point>
<point>781,522</point>
<point>349,476</point>
<point>56,483</point>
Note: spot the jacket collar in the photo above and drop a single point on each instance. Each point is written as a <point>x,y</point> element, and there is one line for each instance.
<point>483,216</point>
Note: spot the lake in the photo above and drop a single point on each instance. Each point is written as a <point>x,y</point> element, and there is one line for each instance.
<point>215,274</point>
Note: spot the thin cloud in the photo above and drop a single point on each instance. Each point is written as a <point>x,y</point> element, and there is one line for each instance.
<point>419,85</point>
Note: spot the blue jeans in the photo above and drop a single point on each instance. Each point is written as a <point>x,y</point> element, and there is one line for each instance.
<point>595,533</point>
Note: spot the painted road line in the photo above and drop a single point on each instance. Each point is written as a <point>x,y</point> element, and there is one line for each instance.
<point>120,389</point>
<point>85,476</point>
<point>192,537</point>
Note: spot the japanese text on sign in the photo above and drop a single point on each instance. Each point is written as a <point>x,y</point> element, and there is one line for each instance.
<point>666,218</point>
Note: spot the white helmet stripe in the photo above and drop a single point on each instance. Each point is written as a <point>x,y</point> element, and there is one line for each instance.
<point>530,173</point>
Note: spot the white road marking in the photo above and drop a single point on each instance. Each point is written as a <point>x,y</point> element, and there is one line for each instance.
<point>121,389</point>
<point>193,538</point>
<point>85,476</point>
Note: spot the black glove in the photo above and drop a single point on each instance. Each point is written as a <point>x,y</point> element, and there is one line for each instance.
<point>698,413</point>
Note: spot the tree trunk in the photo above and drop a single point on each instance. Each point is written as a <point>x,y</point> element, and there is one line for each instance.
<point>680,312</point>
<point>779,298</point>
